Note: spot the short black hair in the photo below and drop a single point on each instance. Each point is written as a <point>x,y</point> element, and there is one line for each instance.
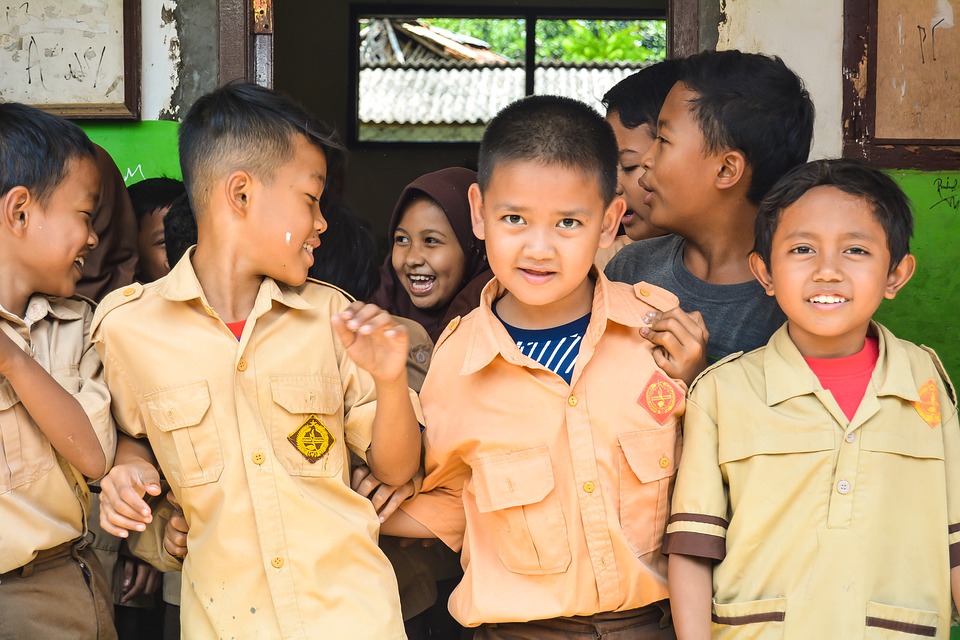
<point>347,255</point>
<point>754,104</point>
<point>154,194</point>
<point>179,229</point>
<point>638,98</point>
<point>36,147</point>
<point>551,130</point>
<point>886,199</point>
<point>244,126</point>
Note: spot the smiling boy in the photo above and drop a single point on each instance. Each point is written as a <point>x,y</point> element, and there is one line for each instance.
<point>552,434</point>
<point>55,425</point>
<point>252,387</point>
<point>819,492</point>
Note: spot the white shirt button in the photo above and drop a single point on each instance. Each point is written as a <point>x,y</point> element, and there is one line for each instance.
<point>850,437</point>
<point>843,487</point>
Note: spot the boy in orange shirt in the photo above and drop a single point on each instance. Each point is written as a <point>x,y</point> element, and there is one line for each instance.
<point>253,386</point>
<point>552,434</point>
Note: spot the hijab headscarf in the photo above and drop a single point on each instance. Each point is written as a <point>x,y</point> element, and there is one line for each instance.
<point>448,188</point>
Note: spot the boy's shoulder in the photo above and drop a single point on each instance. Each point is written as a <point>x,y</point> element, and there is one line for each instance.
<point>925,364</point>
<point>638,259</point>
<point>116,299</point>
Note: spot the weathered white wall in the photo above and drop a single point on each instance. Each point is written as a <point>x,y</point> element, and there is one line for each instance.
<point>808,36</point>
<point>160,65</point>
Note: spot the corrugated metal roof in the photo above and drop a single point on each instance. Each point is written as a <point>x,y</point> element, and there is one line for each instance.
<point>457,94</point>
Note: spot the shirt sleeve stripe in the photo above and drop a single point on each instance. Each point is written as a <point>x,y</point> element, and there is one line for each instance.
<point>699,545</point>
<point>697,517</point>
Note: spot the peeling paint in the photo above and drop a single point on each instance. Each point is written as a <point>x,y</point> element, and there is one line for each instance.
<point>161,58</point>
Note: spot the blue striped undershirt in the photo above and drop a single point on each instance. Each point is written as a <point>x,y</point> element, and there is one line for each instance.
<point>555,348</point>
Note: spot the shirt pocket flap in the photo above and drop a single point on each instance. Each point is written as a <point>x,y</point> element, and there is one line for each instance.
<point>179,407</point>
<point>512,479</point>
<point>650,453</point>
<point>307,394</point>
<point>913,445</point>
<point>776,444</point>
<point>8,397</point>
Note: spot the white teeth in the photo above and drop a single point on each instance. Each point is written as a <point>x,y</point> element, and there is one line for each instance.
<point>420,278</point>
<point>306,247</point>
<point>824,299</point>
<point>79,260</point>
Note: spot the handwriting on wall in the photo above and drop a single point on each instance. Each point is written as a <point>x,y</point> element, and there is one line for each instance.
<point>61,51</point>
<point>947,193</point>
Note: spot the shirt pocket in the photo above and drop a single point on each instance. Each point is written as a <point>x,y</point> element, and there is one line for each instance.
<point>27,454</point>
<point>816,439</point>
<point>516,492</point>
<point>308,415</point>
<point>188,438</point>
<point>886,622</point>
<point>908,444</point>
<point>756,619</point>
<point>648,463</point>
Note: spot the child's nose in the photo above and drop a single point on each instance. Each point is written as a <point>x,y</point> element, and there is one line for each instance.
<point>827,269</point>
<point>93,240</point>
<point>413,255</point>
<point>319,222</point>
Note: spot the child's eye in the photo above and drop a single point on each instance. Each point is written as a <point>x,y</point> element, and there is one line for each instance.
<point>400,240</point>
<point>513,218</point>
<point>661,139</point>
<point>568,223</point>
<point>629,169</point>
<point>860,251</point>
<point>803,250</point>
<point>431,240</point>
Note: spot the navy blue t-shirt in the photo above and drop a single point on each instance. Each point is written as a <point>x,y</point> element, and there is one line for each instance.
<point>555,348</point>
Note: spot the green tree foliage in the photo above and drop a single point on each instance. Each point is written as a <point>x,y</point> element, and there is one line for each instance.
<point>567,40</point>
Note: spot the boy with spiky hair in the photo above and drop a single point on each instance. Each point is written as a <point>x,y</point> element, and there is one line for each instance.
<point>552,432</point>
<point>253,385</point>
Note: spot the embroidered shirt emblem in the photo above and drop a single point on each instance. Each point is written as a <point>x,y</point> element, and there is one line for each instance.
<point>660,396</point>
<point>312,438</point>
<point>929,405</point>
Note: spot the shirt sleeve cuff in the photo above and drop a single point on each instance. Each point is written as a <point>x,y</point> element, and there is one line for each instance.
<point>696,535</point>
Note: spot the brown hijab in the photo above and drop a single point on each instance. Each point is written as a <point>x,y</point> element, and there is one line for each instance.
<point>448,188</point>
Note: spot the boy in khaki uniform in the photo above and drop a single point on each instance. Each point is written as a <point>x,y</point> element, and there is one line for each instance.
<point>552,428</point>
<point>253,386</point>
<point>55,426</point>
<point>819,491</point>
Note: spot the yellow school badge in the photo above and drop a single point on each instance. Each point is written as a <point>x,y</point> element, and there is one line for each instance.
<point>312,439</point>
<point>660,397</point>
<point>929,405</point>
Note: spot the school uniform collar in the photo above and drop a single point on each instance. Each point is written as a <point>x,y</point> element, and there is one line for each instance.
<point>489,338</point>
<point>787,374</point>
<point>39,307</point>
<point>182,285</point>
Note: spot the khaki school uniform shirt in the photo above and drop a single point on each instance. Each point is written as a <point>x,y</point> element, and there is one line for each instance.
<point>254,438</point>
<point>556,493</point>
<point>822,527</point>
<point>42,497</point>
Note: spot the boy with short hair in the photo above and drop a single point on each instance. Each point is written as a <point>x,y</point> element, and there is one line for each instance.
<point>55,426</point>
<point>152,199</point>
<point>732,125</point>
<point>819,492</point>
<point>251,400</point>
<point>552,434</point>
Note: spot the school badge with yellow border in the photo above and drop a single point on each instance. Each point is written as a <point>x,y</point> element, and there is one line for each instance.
<point>929,404</point>
<point>312,438</point>
<point>660,397</point>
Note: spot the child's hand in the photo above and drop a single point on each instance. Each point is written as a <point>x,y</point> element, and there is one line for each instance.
<point>139,578</point>
<point>682,341</point>
<point>175,533</point>
<point>122,507</point>
<point>374,340</point>
<point>385,498</point>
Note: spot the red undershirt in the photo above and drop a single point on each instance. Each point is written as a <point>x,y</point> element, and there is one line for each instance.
<point>236,328</point>
<point>847,378</point>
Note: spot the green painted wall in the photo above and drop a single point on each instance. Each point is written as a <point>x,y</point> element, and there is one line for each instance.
<point>146,149</point>
<point>927,311</point>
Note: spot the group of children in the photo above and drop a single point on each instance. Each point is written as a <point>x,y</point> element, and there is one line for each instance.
<point>817,494</point>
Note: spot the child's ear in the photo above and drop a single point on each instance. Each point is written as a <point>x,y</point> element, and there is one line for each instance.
<point>611,221</point>
<point>14,210</point>
<point>733,170</point>
<point>238,188</point>
<point>899,276</point>
<point>761,272</point>
<point>476,209</point>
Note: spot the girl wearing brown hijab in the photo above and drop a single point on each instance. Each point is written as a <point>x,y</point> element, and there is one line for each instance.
<point>436,267</point>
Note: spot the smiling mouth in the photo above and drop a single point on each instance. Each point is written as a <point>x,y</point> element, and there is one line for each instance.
<point>827,299</point>
<point>421,284</point>
<point>78,261</point>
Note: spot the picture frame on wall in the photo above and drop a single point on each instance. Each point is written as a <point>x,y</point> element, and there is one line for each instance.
<point>72,58</point>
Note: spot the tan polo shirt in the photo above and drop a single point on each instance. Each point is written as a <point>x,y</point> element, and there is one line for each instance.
<point>280,547</point>
<point>822,527</point>
<point>40,505</point>
<point>556,493</point>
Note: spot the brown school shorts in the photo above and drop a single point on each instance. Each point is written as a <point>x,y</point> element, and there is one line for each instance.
<point>646,623</point>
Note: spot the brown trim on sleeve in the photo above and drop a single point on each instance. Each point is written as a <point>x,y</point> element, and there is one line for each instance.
<point>902,627</point>
<point>696,517</point>
<point>770,616</point>
<point>953,528</point>
<point>698,545</point>
<point>955,555</point>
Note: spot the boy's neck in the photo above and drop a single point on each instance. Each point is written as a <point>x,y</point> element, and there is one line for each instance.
<point>13,294</point>
<point>719,253</point>
<point>229,290</point>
